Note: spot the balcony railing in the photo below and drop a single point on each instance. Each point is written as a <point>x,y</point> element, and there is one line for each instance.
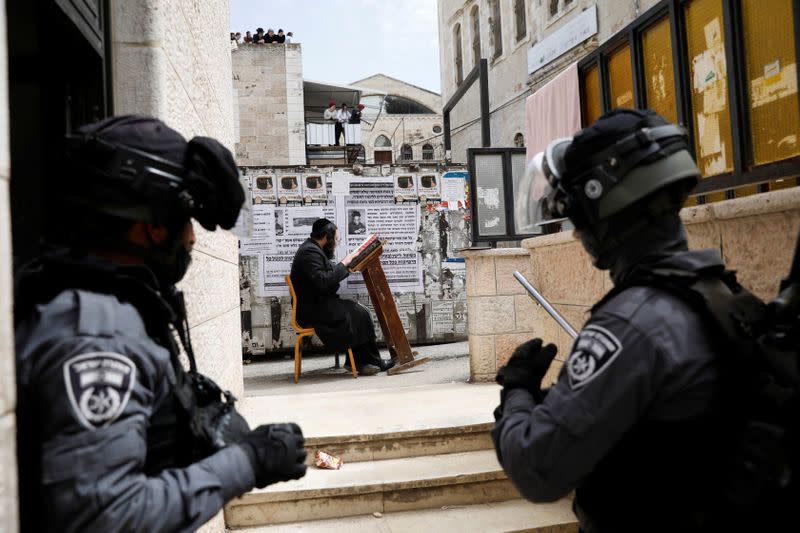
<point>322,134</point>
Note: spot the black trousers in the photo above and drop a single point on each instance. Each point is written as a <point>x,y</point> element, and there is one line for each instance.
<point>367,353</point>
<point>338,129</point>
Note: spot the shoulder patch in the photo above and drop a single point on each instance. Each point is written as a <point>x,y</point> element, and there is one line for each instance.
<point>593,351</point>
<point>99,385</point>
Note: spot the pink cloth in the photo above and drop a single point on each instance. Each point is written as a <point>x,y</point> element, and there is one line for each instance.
<point>553,111</point>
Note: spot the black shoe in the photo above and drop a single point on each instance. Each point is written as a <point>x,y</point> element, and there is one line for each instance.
<point>386,365</point>
<point>368,370</point>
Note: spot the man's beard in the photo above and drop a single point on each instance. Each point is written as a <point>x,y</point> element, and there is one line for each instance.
<point>329,249</point>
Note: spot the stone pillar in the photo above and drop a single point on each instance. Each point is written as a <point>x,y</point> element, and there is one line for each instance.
<point>500,313</point>
<point>172,60</point>
<point>9,503</point>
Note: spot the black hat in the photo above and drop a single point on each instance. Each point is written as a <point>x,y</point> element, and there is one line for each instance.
<point>320,225</point>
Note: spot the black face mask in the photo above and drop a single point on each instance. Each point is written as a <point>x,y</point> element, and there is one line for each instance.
<point>168,262</point>
<point>329,248</point>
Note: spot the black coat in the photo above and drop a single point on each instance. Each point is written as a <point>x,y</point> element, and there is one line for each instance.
<point>339,323</point>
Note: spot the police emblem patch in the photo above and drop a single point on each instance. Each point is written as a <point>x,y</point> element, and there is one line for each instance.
<point>594,349</point>
<point>99,385</point>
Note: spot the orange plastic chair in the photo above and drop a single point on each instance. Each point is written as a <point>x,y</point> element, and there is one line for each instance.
<point>306,332</point>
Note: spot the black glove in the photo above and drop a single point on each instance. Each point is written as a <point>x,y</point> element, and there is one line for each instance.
<point>276,452</point>
<point>527,366</point>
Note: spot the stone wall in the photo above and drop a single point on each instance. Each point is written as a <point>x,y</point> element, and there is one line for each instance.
<point>756,236</point>
<point>9,516</point>
<point>171,59</point>
<point>269,84</point>
<point>416,130</point>
<point>436,314</point>
<point>507,73</point>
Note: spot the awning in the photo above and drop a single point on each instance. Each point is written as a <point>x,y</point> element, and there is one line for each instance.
<point>317,95</point>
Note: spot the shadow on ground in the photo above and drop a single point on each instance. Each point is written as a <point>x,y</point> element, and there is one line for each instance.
<point>448,363</point>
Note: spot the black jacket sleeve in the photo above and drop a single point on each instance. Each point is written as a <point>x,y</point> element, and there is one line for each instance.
<point>321,273</point>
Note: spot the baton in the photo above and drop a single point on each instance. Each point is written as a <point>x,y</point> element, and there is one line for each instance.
<point>533,293</point>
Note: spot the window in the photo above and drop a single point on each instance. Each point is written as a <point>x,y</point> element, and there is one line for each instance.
<point>620,78</point>
<point>745,135</point>
<point>382,141</point>
<point>475,16</point>
<point>708,77</point>
<point>770,62</point>
<point>437,129</point>
<point>592,107</point>
<point>427,151</point>
<point>659,73</point>
<point>457,54</point>
<point>553,8</point>
<point>406,153</point>
<point>372,107</point>
<point>519,19</point>
<point>399,105</point>
<point>495,24</point>
<point>519,141</point>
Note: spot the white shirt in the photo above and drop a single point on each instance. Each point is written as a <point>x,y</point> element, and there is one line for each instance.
<point>343,116</point>
<point>331,114</point>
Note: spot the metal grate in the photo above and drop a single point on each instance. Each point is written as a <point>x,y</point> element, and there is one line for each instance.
<point>658,70</point>
<point>708,76</point>
<point>592,107</point>
<point>620,78</point>
<point>490,193</point>
<point>771,64</point>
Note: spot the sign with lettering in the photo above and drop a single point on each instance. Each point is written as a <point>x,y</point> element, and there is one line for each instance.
<point>563,39</point>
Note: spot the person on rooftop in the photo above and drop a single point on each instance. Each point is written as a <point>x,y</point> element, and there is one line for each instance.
<point>281,37</point>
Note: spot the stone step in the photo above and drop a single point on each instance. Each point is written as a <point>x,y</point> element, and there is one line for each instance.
<point>384,486</point>
<point>390,423</point>
<point>514,515</point>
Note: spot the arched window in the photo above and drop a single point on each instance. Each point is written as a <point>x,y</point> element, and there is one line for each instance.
<point>496,23</point>
<point>382,141</point>
<point>520,19</point>
<point>475,18</point>
<point>399,105</point>
<point>519,140</point>
<point>406,153</point>
<point>427,151</point>
<point>457,54</point>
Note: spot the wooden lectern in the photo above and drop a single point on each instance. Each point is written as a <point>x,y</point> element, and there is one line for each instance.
<point>383,302</point>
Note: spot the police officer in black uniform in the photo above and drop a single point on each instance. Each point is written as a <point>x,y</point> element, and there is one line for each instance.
<point>636,422</point>
<point>114,434</point>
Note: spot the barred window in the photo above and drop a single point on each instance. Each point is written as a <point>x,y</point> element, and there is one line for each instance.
<point>475,17</point>
<point>495,23</point>
<point>457,54</point>
<point>520,19</point>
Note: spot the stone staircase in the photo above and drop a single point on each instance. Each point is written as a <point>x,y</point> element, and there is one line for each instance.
<point>415,458</point>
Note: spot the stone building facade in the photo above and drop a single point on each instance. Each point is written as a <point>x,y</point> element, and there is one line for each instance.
<point>420,131</point>
<point>268,87</point>
<point>475,29</point>
<point>503,31</point>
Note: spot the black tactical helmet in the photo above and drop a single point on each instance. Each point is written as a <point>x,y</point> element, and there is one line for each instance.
<point>617,176</point>
<point>623,158</point>
<point>137,168</point>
